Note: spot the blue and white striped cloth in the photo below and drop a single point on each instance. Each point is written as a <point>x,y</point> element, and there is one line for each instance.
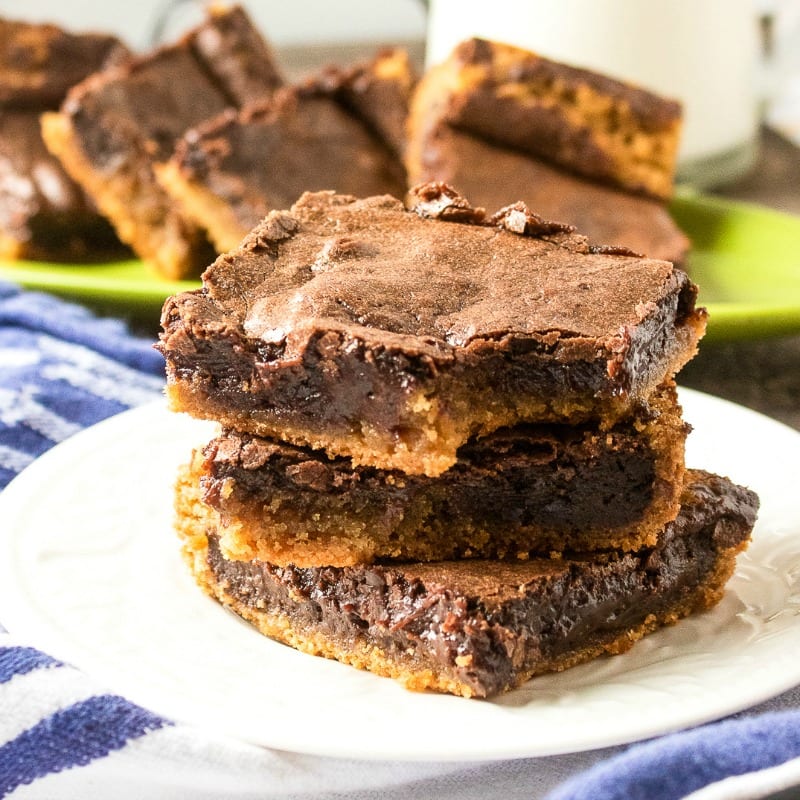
<point>62,736</point>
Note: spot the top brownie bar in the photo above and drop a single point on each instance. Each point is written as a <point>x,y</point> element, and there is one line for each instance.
<point>393,336</point>
<point>589,123</point>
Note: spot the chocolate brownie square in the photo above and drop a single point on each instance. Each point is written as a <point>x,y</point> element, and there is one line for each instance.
<point>492,175</point>
<point>115,126</point>
<point>502,124</point>
<point>341,130</point>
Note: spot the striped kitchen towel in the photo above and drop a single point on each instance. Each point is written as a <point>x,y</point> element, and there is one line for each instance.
<point>64,737</point>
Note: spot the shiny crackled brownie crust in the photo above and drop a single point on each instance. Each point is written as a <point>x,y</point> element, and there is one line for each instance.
<point>116,125</point>
<point>394,336</point>
<point>533,489</point>
<point>588,123</point>
<point>229,173</point>
<point>477,628</point>
<point>492,176</point>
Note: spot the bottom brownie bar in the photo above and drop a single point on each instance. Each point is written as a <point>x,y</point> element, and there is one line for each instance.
<point>477,628</point>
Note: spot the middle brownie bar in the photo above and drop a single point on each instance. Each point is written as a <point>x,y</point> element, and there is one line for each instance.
<point>533,488</point>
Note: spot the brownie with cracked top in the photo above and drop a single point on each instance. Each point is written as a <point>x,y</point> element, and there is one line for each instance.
<point>44,214</point>
<point>502,124</point>
<point>340,130</point>
<point>528,489</point>
<point>490,174</point>
<point>393,336</point>
<point>114,126</point>
<point>477,628</point>
<point>40,62</point>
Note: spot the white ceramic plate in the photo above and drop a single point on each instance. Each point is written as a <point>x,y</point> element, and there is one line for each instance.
<point>90,571</point>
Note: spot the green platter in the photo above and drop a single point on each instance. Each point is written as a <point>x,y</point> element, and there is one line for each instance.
<point>745,258</point>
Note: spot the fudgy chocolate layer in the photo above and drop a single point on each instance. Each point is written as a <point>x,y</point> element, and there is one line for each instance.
<point>393,336</point>
<point>525,490</point>
<point>478,628</point>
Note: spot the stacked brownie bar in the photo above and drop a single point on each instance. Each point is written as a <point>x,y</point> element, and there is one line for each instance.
<point>43,213</point>
<point>450,449</point>
<point>503,124</point>
<point>343,129</point>
<point>117,124</point>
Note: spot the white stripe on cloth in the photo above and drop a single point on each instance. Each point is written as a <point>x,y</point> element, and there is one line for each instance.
<point>109,387</point>
<point>182,762</point>
<point>14,460</point>
<point>28,698</point>
<point>753,785</point>
<point>16,357</point>
<point>97,374</point>
<point>21,407</point>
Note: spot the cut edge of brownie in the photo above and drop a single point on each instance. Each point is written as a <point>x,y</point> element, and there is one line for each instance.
<point>477,629</point>
<point>176,250</point>
<point>201,205</point>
